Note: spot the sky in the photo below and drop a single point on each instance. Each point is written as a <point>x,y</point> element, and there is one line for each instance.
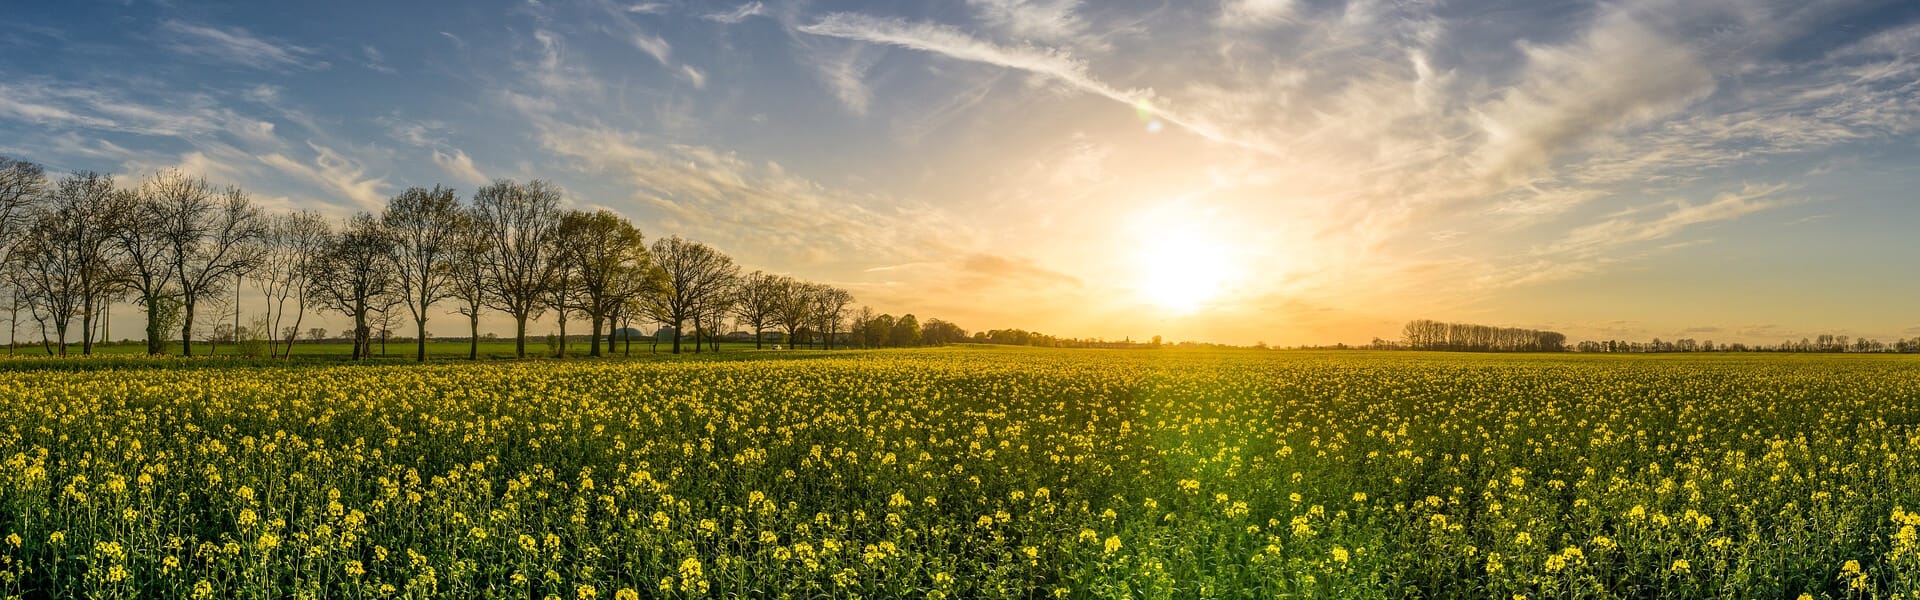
<point>1240,171</point>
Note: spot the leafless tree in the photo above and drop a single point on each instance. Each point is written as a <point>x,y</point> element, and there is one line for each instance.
<point>794,307</point>
<point>694,272</point>
<point>468,266</point>
<point>426,227</point>
<point>830,310</point>
<point>22,185</point>
<point>757,301</point>
<point>68,261</point>
<point>563,292</point>
<point>710,314</point>
<point>139,230</point>
<point>47,274</point>
<point>293,242</point>
<point>354,276</point>
<point>519,223</point>
<point>213,238</point>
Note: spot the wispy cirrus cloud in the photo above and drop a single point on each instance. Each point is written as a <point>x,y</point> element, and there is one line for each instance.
<point>237,46</point>
<point>738,14</point>
<point>1255,14</point>
<point>1054,64</point>
<point>1051,21</point>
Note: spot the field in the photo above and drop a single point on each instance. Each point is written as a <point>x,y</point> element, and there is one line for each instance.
<point>966,472</point>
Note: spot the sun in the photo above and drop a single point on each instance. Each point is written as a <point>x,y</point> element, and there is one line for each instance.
<point>1184,270</point>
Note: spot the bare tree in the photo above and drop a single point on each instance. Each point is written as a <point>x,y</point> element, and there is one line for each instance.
<point>48,275</point>
<point>563,292</point>
<point>858,327</point>
<point>355,274</point>
<point>794,307</point>
<point>519,223</point>
<point>757,302</point>
<point>468,267</point>
<point>139,231</point>
<point>694,272</point>
<point>830,310</point>
<point>710,314</point>
<point>293,242</point>
<point>426,229</point>
<point>16,300</point>
<point>67,255</point>
<point>22,185</point>
<point>213,240</point>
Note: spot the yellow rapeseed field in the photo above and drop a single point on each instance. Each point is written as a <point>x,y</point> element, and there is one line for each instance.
<point>966,473</point>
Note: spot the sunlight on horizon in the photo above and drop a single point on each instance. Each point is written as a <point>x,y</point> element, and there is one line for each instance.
<point>1185,268</point>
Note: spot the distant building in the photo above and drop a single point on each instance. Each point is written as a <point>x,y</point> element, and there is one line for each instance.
<point>627,333</point>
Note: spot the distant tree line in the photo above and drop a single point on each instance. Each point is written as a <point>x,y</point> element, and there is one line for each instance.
<point>180,250</point>
<point>1425,334</point>
<point>1822,343</point>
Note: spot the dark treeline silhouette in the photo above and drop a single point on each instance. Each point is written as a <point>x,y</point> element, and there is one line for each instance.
<point>181,250</point>
<point>1823,343</point>
<point>1426,334</point>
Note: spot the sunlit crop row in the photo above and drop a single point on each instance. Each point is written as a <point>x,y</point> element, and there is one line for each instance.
<point>965,473</point>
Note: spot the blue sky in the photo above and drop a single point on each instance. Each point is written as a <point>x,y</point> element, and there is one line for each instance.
<point>1292,171</point>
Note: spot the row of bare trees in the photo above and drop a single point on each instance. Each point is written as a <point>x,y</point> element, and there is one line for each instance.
<point>1424,334</point>
<point>72,247</point>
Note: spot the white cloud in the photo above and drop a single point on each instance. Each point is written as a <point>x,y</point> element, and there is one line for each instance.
<point>694,76</point>
<point>1053,21</point>
<point>236,46</point>
<point>655,46</point>
<point>376,61</point>
<point>335,172</point>
<point>1254,14</point>
<point>1620,73</point>
<point>460,166</point>
<point>738,14</point>
<point>1056,65</point>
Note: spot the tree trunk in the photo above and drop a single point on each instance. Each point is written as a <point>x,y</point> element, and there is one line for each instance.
<point>676,335</point>
<point>473,342</point>
<point>593,335</point>
<point>155,346</point>
<point>186,326</point>
<point>86,333</point>
<point>359,334</point>
<point>421,354</point>
<point>758,333</point>
<point>563,335</point>
<point>520,336</point>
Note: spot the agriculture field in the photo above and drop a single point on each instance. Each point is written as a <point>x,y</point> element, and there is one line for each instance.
<point>966,472</point>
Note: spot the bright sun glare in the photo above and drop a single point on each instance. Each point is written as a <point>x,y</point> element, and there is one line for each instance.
<point>1184,270</point>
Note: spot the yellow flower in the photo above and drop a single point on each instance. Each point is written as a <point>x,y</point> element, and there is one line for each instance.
<point>1113,544</point>
<point>1680,565</point>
